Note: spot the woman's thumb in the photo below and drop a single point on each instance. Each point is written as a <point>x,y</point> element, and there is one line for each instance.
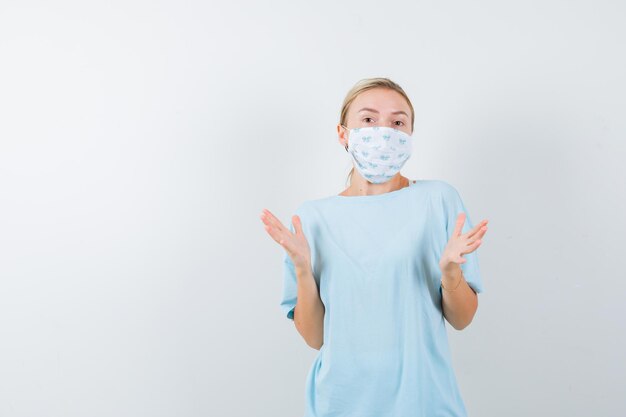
<point>297,224</point>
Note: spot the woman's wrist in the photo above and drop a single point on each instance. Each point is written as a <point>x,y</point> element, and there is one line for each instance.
<point>303,268</point>
<point>448,287</point>
<point>451,277</point>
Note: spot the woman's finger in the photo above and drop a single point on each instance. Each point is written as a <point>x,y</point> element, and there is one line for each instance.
<point>297,224</point>
<point>460,220</point>
<point>287,243</point>
<point>274,221</point>
<point>277,233</point>
<point>476,228</point>
<point>478,235</point>
<point>472,247</point>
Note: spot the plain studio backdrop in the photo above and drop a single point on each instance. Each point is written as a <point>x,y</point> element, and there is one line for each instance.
<point>140,141</point>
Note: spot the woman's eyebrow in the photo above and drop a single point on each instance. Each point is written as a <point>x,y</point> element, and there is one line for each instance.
<point>376,111</point>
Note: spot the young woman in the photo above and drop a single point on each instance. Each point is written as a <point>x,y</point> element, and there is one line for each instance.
<point>371,273</point>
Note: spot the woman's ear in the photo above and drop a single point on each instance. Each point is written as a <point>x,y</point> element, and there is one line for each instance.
<point>343,136</point>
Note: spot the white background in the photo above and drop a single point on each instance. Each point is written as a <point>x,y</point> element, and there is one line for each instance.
<point>139,142</point>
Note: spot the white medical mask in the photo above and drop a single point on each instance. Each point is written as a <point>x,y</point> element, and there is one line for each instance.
<point>379,152</point>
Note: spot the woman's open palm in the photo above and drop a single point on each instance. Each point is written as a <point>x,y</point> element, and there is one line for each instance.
<point>461,244</point>
<point>295,244</point>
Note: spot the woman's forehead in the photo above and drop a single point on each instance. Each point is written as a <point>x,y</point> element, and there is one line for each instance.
<point>379,100</point>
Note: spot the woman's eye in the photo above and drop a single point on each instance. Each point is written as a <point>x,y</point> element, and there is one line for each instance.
<point>400,122</point>
<point>367,118</point>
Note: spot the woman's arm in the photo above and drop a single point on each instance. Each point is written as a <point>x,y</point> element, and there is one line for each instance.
<point>308,315</point>
<point>459,301</point>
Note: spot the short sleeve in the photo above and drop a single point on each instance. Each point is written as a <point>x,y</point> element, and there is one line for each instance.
<point>454,206</point>
<point>290,287</point>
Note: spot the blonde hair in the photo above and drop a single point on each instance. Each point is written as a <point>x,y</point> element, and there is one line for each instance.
<point>368,84</point>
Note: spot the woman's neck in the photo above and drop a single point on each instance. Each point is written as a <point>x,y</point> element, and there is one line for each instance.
<point>360,186</point>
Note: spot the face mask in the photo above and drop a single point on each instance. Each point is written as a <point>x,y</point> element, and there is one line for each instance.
<point>379,152</point>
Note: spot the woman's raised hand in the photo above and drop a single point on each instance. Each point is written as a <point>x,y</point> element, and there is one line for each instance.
<point>460,244</point>
<point>295,244</point>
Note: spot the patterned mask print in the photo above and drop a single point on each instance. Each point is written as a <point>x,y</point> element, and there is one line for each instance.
<point>379,152</point>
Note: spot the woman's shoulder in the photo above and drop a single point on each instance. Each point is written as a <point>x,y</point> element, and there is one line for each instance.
<point>436,185</point>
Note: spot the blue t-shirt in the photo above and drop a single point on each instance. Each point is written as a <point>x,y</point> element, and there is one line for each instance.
<point>375,260</point>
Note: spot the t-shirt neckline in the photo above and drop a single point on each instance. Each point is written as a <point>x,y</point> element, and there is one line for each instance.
<point>382,196</point>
